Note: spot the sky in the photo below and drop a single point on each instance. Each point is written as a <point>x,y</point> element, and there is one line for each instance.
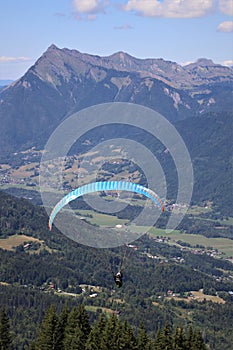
<point>176,30</point>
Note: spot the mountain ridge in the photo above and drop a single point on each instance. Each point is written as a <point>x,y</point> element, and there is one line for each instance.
<point>157,68</point>
<point>64,81</point>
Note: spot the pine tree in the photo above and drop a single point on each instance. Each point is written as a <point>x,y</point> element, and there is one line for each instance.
<point>74,341</point>
<point>95,338</point>
<point>157,338</point>
<point>49,332</point>
<point>143,341</point>
<point>77,329</point>
<point>163,340</point>
<point>128,340</point>
<point>198,342</point>
<point>84,322</point>
<point>112,334</point>
<point>179,339</point>
<point>62,322</point>
<point>5,338</point>
<point>189,338</point>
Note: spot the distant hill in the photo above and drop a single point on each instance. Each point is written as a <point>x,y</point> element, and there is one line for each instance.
<point>5,82</point>
<point>63,81</point>
<point>209,141</point>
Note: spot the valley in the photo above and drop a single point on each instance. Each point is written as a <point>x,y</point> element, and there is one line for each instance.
<point>181,278</point>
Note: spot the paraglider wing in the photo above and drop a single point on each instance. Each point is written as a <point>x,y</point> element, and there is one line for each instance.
<point>104,186</point>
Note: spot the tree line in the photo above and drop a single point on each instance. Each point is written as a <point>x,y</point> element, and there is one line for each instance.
<point>71,330</point>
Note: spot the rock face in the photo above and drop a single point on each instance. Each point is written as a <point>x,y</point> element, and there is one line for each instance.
<point>63,81</point>
<point>64,62</point>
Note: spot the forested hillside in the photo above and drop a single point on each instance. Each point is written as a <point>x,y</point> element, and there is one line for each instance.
<point>39,268</point>
<point>72,330</point>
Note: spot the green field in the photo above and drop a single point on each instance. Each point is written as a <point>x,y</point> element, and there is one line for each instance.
<point>227,222</point>
<point>224,245</point>
<point>100,219</point>
<point>197,210</point>
<point>11,242</point>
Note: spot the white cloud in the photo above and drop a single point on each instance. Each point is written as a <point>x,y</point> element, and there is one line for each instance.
<point>144,7</point>
<point>183,64</point>
<point>156,8</point>
<point>226,7</point>
<point>228,63</point>
<point>171,8</point>
<point>14,59</point>
<point>226,27</point>
<point>90,6</point>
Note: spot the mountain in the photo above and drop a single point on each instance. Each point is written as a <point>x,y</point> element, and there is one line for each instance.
<point>197,99</point>
<point>171,73</point>
<point>209,141</point>
<point>5,82</point>
<point>63,81</point>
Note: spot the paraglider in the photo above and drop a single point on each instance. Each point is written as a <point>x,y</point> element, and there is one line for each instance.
<point>104,186</point>
<point>118,278</point>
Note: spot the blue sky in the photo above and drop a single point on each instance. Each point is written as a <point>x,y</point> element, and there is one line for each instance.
<point>176,30</point>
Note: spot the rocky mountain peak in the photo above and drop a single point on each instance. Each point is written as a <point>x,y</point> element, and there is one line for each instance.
<point>64,80</point>
<point>120,57</point>
<point>52,47</point>
<point>204,62</point>
<point>206,69</point>
<point>57,66</point>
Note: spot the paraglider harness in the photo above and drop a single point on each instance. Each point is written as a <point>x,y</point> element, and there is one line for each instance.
<point>118,278</point>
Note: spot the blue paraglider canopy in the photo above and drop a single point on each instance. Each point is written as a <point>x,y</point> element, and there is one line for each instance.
<point>104,186</point>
